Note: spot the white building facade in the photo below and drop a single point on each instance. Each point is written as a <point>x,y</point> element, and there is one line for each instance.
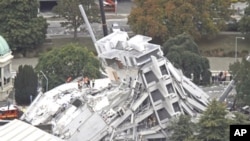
<point>6,57</point>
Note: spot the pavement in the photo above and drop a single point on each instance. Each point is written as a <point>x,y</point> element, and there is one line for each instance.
<point>220,63</point>
<point>23,61</point>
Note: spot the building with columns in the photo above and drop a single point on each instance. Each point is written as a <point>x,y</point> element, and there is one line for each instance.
<point>6,57</point>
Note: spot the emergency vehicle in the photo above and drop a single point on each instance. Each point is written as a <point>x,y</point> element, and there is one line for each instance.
<point>9,112</point>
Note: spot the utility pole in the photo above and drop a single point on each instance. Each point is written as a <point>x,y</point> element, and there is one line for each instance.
<point>104,25</point>
<point>47,81</point>
<point>236,47</point>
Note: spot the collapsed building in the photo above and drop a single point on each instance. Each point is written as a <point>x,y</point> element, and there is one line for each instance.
<point>136,101</point>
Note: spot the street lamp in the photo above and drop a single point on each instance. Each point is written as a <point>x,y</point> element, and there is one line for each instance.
<point>47,81</point>
<point>116,6</point>
<point>236,46</point>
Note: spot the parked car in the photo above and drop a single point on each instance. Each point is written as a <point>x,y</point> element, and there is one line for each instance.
<point>115,27</point>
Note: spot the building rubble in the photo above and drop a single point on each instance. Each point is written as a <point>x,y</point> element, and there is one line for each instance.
<point>136,101</point>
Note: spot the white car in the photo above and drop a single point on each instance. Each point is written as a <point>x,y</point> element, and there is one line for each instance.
<point>115,27</point>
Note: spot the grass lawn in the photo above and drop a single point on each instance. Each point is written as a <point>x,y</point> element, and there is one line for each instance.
<point>221,46</point>
<point>224,46</point>
<point>59,42</point>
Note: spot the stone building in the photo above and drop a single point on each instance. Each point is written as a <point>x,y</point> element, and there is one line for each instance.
<point>6,57</point>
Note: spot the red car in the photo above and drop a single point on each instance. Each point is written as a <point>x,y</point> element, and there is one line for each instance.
<point>109,5</point>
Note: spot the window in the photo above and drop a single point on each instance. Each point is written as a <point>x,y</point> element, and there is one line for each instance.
<point>163,70</point>
<point>170,88</point>
<point>7,74</point>
<point>156,95</point>
<point>176,107</point>
<point>163,114</point>
<point>150,77</point>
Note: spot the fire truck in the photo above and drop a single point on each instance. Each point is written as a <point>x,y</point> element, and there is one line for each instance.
<point>9,112</point>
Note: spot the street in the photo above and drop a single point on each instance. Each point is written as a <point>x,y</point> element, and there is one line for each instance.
<point>120,17</point>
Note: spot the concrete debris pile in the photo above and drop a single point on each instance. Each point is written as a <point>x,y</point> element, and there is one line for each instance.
<point>142,92</point>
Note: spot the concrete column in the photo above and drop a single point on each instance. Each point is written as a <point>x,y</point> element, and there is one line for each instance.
<point>10,69</point>
<point>2,77</point>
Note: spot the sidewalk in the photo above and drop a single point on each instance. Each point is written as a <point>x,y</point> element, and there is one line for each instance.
<point>220,63</point>
<point>23,61</point>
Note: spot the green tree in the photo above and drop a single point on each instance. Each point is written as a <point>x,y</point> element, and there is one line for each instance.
<point>244,27</point>
<point>213,124</point>
<point>25,84</point>
<point>241,72</point>
<point>147,19</point>
<point>240,118</point>
<point>20,25</point>
<point>183,52</point>
<point>244,23</point>
<point>211,16</point>
<point>181,129</point>
<point>179,17</point>
<point>162,19</point>
<point>71,60</point>
<point>69,10</point>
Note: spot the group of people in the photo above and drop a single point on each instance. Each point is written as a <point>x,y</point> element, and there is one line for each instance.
<point>221,76</point>
<point>86,82</point>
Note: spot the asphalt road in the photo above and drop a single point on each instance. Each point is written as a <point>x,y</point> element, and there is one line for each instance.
<point>120,17</point>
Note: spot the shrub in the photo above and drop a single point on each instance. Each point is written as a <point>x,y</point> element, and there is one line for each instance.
<point>25,84</point>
